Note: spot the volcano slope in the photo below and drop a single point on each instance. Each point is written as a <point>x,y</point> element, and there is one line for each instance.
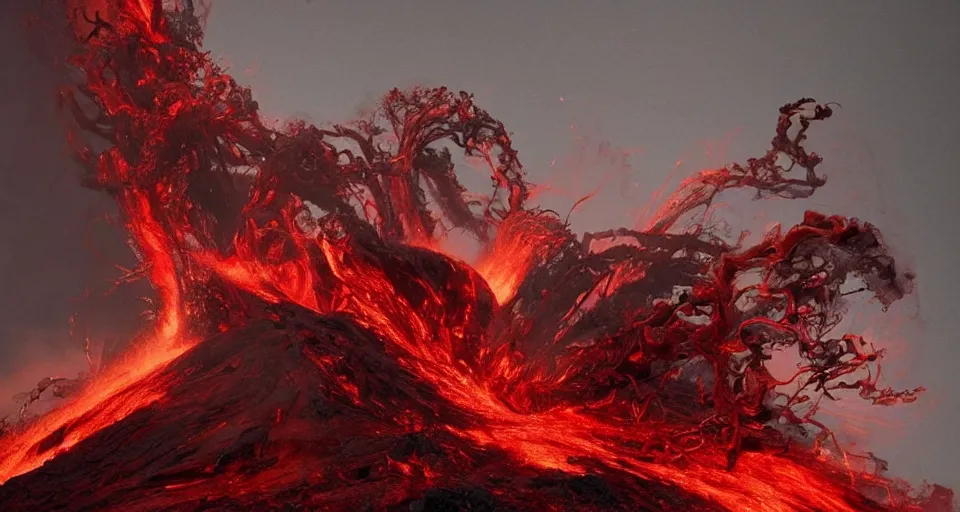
<point>253,423</point>
<point>309,345</point>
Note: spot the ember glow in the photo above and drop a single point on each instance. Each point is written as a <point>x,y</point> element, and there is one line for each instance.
<point>310,345</point>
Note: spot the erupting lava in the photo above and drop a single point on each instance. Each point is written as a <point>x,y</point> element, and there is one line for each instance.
<point>311,347</point>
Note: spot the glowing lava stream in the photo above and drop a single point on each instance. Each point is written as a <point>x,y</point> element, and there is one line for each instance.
<point>125,386</point>
<point>551,439</point>
<point>548,439</point>
<point>121,391</point>
<point>184,135</point>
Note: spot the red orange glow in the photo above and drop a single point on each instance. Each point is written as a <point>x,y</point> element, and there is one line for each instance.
<point>561,353</point>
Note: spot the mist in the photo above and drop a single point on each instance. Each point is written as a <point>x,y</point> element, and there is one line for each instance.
<point>56,246</point>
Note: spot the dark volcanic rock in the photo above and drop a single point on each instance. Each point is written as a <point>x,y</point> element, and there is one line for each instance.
<point>259,419</point>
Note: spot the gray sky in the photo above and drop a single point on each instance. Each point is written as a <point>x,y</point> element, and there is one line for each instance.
<point>43,264</point>
<point>671,81</point>
<point>693,81</point>
<point>52,249</point>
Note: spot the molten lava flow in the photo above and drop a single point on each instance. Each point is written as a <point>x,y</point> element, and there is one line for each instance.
<point>300,265</point>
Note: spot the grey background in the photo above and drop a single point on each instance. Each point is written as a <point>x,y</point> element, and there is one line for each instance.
<point>44,265</point>
<point>695,82</point>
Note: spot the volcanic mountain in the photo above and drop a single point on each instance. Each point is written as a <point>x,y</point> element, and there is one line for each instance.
<point>310,344</point>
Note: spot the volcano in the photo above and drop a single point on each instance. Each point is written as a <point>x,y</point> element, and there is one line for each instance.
<point>276,434</point>
<point>312,344</point>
